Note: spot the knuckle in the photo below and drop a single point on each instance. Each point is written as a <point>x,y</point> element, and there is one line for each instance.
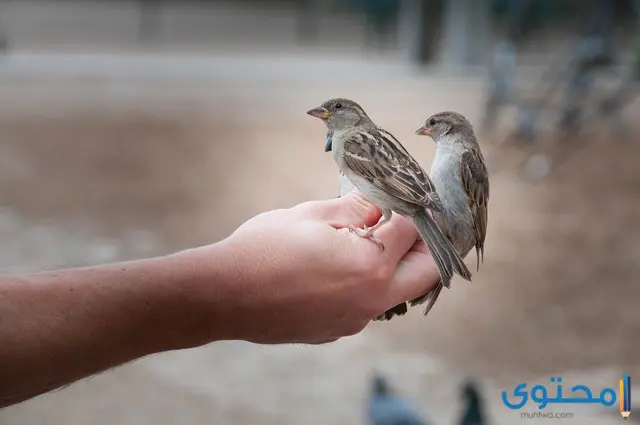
<point>381,273</point>
<point>309,208</point>
<point>362,265</point>
<point>267,215</point>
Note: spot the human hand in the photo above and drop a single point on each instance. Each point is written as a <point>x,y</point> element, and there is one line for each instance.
<point>283,276</point>
<point>291,276</point>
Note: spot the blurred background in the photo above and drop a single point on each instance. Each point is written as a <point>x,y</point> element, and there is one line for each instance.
<point>132,129</point>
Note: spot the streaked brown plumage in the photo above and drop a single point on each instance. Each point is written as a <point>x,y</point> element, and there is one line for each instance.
<point>385,173</point>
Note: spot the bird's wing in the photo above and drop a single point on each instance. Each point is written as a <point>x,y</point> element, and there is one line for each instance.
<point>475,181</point>
<point>377,156</point>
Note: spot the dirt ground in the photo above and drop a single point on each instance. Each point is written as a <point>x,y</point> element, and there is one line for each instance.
<point>104,169</point>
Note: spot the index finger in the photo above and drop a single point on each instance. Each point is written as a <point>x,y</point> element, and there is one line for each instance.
<point>351,209</point>
<point>415,275</point>
<point>398,236</point>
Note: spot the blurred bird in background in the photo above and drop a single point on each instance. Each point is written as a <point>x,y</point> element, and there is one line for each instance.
<point>386,408</point>
<point>473,411</point>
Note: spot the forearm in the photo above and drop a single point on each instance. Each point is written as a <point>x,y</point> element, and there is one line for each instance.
<point>58,327</point>
<point>284,276</point>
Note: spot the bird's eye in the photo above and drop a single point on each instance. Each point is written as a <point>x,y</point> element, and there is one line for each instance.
<point>338,105</point>
<point>432,122</point>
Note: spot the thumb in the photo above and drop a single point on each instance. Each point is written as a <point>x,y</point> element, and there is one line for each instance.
<point>350,209</point>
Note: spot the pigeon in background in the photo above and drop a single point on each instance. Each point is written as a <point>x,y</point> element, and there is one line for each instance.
<point>473,413</point>
<point>387,408</point>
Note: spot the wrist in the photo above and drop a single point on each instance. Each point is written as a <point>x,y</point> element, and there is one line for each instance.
<point>208,301</point>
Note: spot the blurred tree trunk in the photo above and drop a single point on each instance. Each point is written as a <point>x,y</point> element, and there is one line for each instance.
<point>417,30</point>
<point>307,21</point>
<point>381,15</point>
<point>150,20</point>
<point>466,34</point>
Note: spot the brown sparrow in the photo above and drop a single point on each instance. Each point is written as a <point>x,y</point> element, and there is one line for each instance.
<point>460,176</point>
<point>384,172</point>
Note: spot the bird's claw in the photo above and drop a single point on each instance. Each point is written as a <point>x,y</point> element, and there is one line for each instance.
<point>366,233</point>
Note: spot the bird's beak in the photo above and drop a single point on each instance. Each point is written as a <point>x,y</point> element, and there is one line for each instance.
<point>320,112</point>
<point>423,131</point>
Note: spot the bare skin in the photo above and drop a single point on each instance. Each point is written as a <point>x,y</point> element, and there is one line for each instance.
<point>264,284</point>
<point>368,232</point>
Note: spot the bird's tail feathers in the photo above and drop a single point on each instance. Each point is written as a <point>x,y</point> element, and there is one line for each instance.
<point>444,254</point>
<point>432,297</point>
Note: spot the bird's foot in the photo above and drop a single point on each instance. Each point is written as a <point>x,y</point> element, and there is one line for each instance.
<point>367,233</point>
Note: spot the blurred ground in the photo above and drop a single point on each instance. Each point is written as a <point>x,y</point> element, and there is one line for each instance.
<point>118,157</point>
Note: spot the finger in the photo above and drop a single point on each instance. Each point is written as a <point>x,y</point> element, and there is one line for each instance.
<point>420,246</point>
<point>351,209</point>
<point>415,275</point>
<point>398,236</point>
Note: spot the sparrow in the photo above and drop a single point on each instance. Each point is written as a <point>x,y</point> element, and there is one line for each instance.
<point>474,411</point>
<point>386,407</point>
<point>384,172</point>
<point>461,180</point>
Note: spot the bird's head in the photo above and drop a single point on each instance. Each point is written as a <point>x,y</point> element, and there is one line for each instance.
<point>443,124</point>
<point>379,385</point>
<point>339,114</point>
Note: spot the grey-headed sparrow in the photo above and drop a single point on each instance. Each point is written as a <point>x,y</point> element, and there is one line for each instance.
<point>386,174</point>
<point>461,179</point>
